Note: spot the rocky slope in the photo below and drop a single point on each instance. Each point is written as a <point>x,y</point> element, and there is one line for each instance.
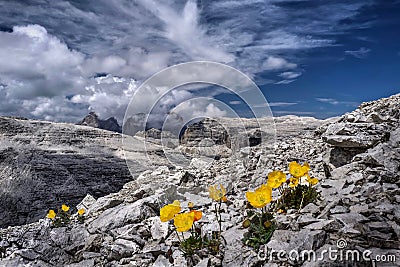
<point>43,164</point>
<point>356,157</point>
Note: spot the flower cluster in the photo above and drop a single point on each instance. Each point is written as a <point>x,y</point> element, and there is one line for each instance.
<point>185,221</point>
<point>296,191</point>
<point>63,216</point>
<point>300,174</point>
<point>281,191</point>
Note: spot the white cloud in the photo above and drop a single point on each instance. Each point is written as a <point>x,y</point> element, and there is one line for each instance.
<point>290,74</point>
<point>109,64</point>
<point>285,82</point>
<point>34,63</point>
<point>40,70</point>
<point>277,63</point>
<point>198,109</point>
<point>211,111</point>
<point>282,104</point>
<point>360,53</point>
<point>328,100</point>
<point>184,30</point>
<point>333,101</point>
<point>107,96</point>
<point>52,109</point>
<point>282,39</point>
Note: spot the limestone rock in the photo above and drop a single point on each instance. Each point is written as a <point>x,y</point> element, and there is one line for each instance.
<point>357,167</point>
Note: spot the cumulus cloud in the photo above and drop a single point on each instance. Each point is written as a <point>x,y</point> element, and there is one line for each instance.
<point>107,96</point>
<point>200,108</point>
<point>38,72</point>
<point>277,63</point>
<point>109,64</point>
<point>34,63</point>
<point>50,61</point>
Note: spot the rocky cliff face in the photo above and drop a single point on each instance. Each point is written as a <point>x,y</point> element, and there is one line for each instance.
<point>207,129</point>
<point>43,164</point>
<point>360,202</point>
<point>371,124</point>
<point>110,124</point>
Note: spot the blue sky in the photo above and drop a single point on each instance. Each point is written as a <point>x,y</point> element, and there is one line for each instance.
<point>60,59</point>
<point>363,66</point>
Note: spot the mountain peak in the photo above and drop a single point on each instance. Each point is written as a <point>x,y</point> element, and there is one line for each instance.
<point>93,120</point>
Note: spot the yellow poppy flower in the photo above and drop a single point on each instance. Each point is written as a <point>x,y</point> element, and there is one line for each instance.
<point>197,215</point>
<point>267,224</point>
<point>51,214</point>
<point>276,178</point>
<point>217,194</point>
<point>184,221</point>
<point>81,212</point>
<point>246,223</point>
<point>169,211</point>
<point>260,197</point>
<point>313,181</point>
<point>298,170</point>
<point>190,205</point>
<point>293,182</point>
<point>65,208</point>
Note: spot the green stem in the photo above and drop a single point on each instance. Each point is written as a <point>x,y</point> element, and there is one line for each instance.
<point>301,203</point>
<point>260,231</point>
<point>220,220</point>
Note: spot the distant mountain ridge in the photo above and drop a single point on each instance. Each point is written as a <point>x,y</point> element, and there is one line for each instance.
<point>93,120</point>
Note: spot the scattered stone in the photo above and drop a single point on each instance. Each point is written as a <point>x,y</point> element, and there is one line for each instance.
<point>339,209</point>
<point>158,229</point>
<point>304,220</point>
<point>162,262</point>
<point>310,209</point>
<point>356,159</point>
